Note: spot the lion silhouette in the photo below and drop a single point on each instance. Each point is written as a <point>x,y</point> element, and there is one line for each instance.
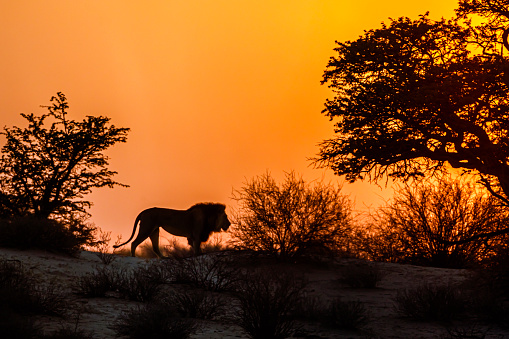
<point>195,223</point>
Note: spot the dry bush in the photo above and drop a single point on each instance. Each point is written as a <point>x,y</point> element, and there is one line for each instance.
<point>97,283</point>
<point>361,275</point>
<point>23,294</point>
<point>431,303</point>
<point>21,297</point>
<point>103,247</point>
<point>138,284</point>
<point>196,304</point>
<point>291,219</point>
<point>424,225</point>
<point>30,232</point>
<point>210,272</point>
<point>153,321</point>
<point>350,315</point>
<point>268,301</point>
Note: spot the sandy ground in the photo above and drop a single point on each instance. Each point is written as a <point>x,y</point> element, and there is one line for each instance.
<point>97,314</point>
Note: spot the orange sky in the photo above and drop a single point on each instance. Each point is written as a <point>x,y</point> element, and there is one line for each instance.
<point>214,91</point>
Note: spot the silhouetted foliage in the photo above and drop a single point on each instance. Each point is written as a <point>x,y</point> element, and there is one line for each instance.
<point>346,314</point>
<point>46,170</point>
<point>195,304</point>
<point>361,275</point>
<point>431,303</point>
<point>46,234</point>
<point>267,303</point>
<point>291,219</point>
<point>422,223</point>
<point>153,320</point>
<point>210,272</point>
<point>21,297</point>
<point>414,95</point>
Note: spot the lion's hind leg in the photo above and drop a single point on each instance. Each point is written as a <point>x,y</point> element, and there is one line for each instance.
<point>195,244</point>
<point>154,238</point>
<point>142,235</point>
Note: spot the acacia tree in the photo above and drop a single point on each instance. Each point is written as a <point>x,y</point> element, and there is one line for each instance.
<point>47,167</point>
<point>415,95</point>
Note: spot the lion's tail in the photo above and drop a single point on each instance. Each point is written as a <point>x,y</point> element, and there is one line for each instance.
<point>134,232</point>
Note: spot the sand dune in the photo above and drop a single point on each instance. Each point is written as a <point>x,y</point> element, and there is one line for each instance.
<point>97,314</point>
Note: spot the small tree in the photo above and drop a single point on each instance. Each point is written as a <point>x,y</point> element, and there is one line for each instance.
<point>427,223</point>
<point>291,219</point>
<point>46,171</point>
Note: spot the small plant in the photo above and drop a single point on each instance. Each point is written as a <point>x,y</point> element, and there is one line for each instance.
<point>23,294</point>
<point>361,275</point>
<point>137,285</point>
<point>430,303</point>
<point>97,283</point>
<point>153,321</point>
<point>29,232</point>
<point>349,315</point>
<point>310,309</point>
<point>16,326</point>
<point>267,303</point>
<point>103,248</point>
<point>471,332</point>
<point>212,272</point>
<point>196,304</point>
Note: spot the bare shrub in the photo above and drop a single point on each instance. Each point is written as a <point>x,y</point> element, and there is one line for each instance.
<point>196,304</point>
<point>16,326</point>
<point>291,219</point>
<point>268,301</point>
<point>470,332</point>
<point>97,283</point>
<point>431,303</point>
<point>46,234</point>
<point>349,315</point>
<point>23,294</point>
<point>103,248</point>
<point>488,296</point>
<point>138,284</point>
<point>309,308</point>
<point>430,224</point>
<point>211,272</point>
<point>361,275</point>
<point>153,321</point>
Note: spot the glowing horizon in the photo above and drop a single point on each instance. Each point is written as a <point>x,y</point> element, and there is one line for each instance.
<point>215,92</point>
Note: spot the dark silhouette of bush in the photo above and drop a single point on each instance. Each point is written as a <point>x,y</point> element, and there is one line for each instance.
<point>30,232</point>
<point>23,294</point>
<point>349,315</point>
<point>291,219</point>
<point>361,275</point>
<point>97,283</point>
<point>195,304</point>
<point>153,320</point>
<point>431,303</point>
<point>436,224</point>
<point>267,304</point>
<point>214,272</point>
<point>22,297</point>
<point>139,284</point>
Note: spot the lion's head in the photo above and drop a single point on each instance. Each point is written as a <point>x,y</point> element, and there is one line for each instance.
<point>215,219</point>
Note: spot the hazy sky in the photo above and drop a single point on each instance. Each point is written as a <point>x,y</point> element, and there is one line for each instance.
<point>214,91</point>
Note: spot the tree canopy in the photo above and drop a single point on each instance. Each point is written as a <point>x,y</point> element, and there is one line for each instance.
<point>47,167</point>
<point>414,95</point>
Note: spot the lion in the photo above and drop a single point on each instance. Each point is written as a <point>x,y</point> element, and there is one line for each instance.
<point>195,223</point>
